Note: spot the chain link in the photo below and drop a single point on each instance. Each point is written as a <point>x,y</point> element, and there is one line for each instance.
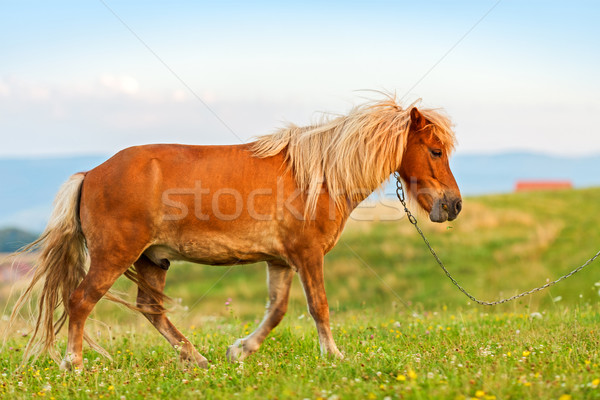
<point>413,220</point>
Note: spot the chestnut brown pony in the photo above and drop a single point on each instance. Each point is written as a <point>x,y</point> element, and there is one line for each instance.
<point>283,199</point>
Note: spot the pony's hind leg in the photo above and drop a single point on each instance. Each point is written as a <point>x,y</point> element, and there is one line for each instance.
<point>153,310</point>
<point>279,278</point>
<point>99,279</point>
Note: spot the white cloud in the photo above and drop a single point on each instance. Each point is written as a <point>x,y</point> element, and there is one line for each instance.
<point>120,84</point>
<point>4,89</point>
<point>180,95</point>
<point>21,89</point>
<point>103,116</point>
<point>39,93</point>
<point>110,112</point>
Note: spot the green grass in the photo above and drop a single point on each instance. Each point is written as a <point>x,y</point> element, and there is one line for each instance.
<point>431,355</point>
<point>405,330</point>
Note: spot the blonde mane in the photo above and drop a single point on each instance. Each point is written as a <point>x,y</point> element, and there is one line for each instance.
<point>352,155</point>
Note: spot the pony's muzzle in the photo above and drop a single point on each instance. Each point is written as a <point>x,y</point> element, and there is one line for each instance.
<point>445,209</point>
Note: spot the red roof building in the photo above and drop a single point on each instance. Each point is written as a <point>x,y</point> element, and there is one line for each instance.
<point>528,186</point>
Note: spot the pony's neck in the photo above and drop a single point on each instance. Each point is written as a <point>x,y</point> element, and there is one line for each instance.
<point>352,155</point>
<point>353,200</point>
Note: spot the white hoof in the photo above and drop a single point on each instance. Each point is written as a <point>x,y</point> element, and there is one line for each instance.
<point>338,354</point>
<point>66,365</point>
<point>194,358</point>
<point>235,352</point>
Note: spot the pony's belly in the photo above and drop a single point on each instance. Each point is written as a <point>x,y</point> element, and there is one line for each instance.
<point>209,253</point>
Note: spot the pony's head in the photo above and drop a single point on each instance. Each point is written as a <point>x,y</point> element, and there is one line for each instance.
<point>353,154</point>
<point>425,169</point>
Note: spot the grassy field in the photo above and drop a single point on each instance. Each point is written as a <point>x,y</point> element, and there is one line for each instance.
<point>405,330</point>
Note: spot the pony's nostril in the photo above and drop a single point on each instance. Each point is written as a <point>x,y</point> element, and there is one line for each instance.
<point>458,206</point>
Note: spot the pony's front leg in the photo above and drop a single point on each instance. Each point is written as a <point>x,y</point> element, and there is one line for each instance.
<point>311,276</point>
<point>279,278</point>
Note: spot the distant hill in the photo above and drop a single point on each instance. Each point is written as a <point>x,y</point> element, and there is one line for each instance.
<point>12,239</point>
<point>497,173</point>
<point>29,185</point>
<point>479,174</point>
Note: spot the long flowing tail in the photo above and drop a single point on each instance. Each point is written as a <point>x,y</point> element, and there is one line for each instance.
<point>60,266</point>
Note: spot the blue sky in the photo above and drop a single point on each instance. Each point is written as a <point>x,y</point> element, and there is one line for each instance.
<point>75,80</point>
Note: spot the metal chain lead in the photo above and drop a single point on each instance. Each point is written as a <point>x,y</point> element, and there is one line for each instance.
<point>413,220</point>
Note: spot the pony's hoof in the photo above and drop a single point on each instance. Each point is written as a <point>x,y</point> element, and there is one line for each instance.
<point>333,353</point>
<point>68,365</point>
<point>202,361</point>
<point>196,358</point>
<point>235,352</point>
<point>65,365</point>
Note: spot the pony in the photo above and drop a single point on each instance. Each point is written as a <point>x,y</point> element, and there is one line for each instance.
<point>283,199</point>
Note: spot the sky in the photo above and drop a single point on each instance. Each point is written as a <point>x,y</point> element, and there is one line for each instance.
<point>92,77</point>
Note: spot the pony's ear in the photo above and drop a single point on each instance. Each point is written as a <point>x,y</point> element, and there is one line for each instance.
<point>417,119</point>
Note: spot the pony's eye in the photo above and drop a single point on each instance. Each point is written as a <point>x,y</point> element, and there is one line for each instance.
<point>436,153</point>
